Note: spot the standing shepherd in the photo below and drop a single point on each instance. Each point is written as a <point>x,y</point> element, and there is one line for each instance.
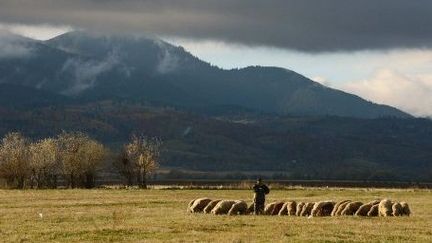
<point>260,191</point>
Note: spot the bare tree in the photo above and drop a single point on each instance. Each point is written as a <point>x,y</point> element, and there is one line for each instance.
<point>45,163</point>
<point>125,167</point>
<point>143,152</point>
<point>14,159</point>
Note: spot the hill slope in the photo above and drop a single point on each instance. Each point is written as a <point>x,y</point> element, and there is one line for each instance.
<point>293,147</point>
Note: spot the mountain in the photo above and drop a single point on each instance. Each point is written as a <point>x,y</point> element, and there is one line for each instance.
<point>211,120</point>
<point>22,97</point>
<point>97,67</point>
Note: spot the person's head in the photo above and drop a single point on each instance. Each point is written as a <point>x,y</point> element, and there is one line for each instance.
<point>259,181</point>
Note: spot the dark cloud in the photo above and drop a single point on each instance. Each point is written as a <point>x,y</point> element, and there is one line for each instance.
<point>307,25</point>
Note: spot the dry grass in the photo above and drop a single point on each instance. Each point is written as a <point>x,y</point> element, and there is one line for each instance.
<point>160,216</point>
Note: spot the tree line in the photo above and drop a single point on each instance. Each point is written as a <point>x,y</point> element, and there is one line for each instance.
<point>73,159</point>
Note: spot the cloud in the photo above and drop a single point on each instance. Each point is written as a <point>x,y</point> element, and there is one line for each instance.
<point>306,25</point>
<point>85,73</point>
<point>38,32</point>
<point>411,93</point>
<point>169,61</point>
<point>12,46</point>
<point>322,80</point>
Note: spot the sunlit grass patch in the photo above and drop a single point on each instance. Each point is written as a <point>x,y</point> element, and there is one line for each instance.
<point>123,215</point>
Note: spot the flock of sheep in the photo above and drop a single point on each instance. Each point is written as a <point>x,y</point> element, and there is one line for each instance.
<point>382,208</point>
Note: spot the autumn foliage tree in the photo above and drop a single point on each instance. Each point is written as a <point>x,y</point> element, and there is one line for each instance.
<point>140,157</point>
<point>14,160</point>
<point>80,157</point>
<point>73,157</point>
<point>45,163</point>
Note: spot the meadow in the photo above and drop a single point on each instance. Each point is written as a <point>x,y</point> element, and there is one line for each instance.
<point>159,215</point>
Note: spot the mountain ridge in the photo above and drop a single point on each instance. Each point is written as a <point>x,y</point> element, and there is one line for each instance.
<point>92,66</point>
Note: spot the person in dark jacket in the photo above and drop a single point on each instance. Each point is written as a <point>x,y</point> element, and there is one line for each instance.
<point>260,190</point>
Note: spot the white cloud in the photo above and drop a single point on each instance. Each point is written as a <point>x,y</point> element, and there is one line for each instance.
<point>411,93</point>
<point>168,60</point>
<point>14,50</point>
<point>322,80</point>
<point>12,46</point>
<point>38,32</point>
<point>85,73</point>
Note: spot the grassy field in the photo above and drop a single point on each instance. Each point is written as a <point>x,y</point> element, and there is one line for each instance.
<point>160,215</point>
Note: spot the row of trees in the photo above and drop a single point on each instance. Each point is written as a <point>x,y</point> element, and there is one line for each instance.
<point>72,159</point>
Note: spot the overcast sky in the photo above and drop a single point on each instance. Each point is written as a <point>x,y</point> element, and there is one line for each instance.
<point>378,49</point>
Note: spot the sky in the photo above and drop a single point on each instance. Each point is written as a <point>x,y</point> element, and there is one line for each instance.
<point>380,50</point>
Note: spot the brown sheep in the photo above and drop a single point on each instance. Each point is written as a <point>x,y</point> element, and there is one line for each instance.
<point>211,205</point>
<point>335,208</point>
<point>307,209</point>
<point>199,205</point>
<point>364,209</point>
<point>405,209</point>
<point>299,208</point>
<point>385,208</point>
<point>373,212</point>
<point>397,209</point>
<point>223,207</point>
<point>351,208</point>
<point>323,208</point>
<point>189,208</point>
<point>284,209</point>
<point>240,207</point>
<point>292,208</point>
<point>250,209</point>
<point>341,208</point>
<point>277,208</point>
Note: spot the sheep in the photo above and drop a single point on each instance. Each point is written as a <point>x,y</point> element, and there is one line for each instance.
<point>405,209</point>
<point>351,208</point>
<point>299,208</point>
<point>385,208</point>
<point>251,208</point>
<point>397,209</point>
<point>284,209</point>
<point>273,208</point>
<point>269,208</point>
<point>341,208</point>
<point>199,205</point>
<point>223,207</point>
<point>373,212</point>
<point>291,208</point>
<point>239,207</point>
<point>307,209</point>
<point>335,208</point>
<point>211,205</point>
<point>323,208</point>
<point>277,208</point>
<point>189,208</point>
<point>364,209</point>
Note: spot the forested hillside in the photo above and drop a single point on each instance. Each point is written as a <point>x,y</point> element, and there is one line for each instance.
<point>293,147</point>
